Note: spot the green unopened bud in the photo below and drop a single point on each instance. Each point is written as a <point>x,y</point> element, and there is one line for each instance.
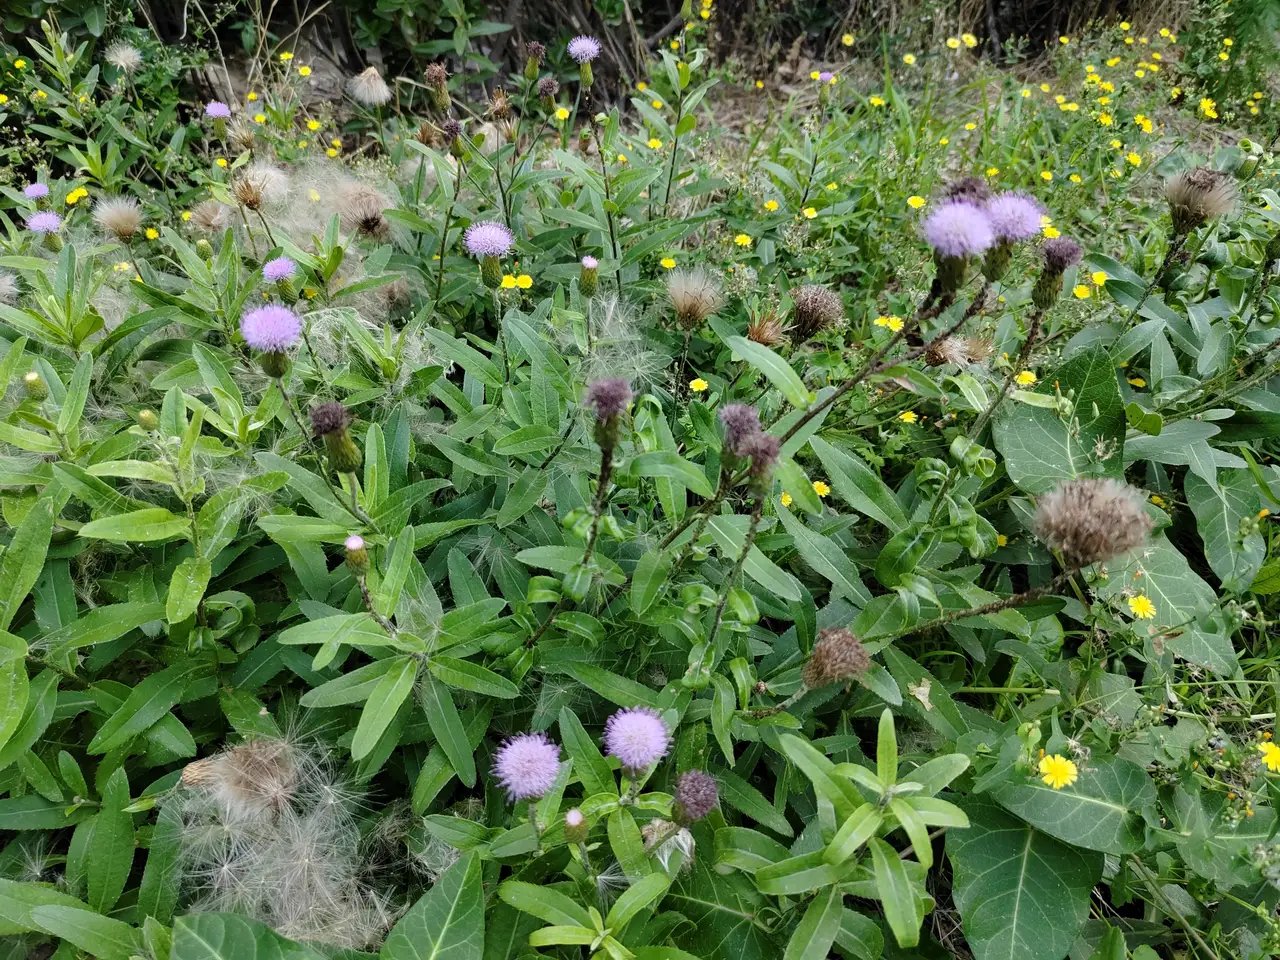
<point>996,263</point>
<point>148,420</point>
<point>344,455</point>
<point>274,364</point>
<point>1047,290</point>
<point>951,271</point>
<point>287,292</point>
<point>35,386</point>
<point>357,553</point>
<point>204,248</point>
<point>53,242</point>
<point>491,272</point>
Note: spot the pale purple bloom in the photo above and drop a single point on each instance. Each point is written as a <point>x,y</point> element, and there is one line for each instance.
<point>638,737</point>
<point>217,110</point>
<point>958,229</point>
<point>741,424</point>
<point>46,221</point>
<point>527,765</point>
<point>584,49</point>
<point>272,329</point>
<point>609,397</point>
<point>354,542</point>
<point>34,191</point>
<point>1014,216</point>
<point>488,239</point>
<point>826,76</point>
<point>281,268</point>
<point>1060,253</point>
<point>574,818</point>
<point>590,262</point>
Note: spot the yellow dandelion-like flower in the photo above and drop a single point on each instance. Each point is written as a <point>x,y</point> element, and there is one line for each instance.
<point>809,212</point>
<point>1060,99</point>
<point>698,385</point>
<point>833,186</point>
<point>1137,382</point>
<point>508,281</point>
<point>1064,40</point>
<point>943,141</point>
<point>893,323</point>
<point>814,74</point>
<point>820,488</point>
<point>1208,108</point>
<point>759,84</point>
<point>1099,277</point>
<point>1082,291</point>
<point>916,201</point>
<point>742,240</point>
<point>771,205</point>
<point>1106,119</point>
<point>1134,159</point>
<point>908,416</point>
<point>654,143</point>
<point>847,39</point>
<point>1051,232</point>
<point>667,263</point>
<point>971,126</point>
<point>1045,88</point>
<point>313,125</point>
<point>152,233</point>
<point>876,101</point>
<point>251,95</point>
<point>259,118</point>
<point>675,44</point>
<point>1001,540</point>
<point>1057,771</point>
<point>331,152</point>
<point>656,104</point>
<point>1158,500</point>
<point>304,71</point>
<point>1142,607</point>
<point>1228,42</point>
<point>562,113</point>
<point>1025,92</point>
<point>1076,178</point>
<point>1026,378</point>
<point>3,99</point>
<point>969,40</point>
<point>1046,176</point>
<point>1270,756</point>
<point>642,86</point>
<point>909,59</point>
<point>186,215</point>
<point>785,499</point>
<point>953,43</point>
<point>221,161</point>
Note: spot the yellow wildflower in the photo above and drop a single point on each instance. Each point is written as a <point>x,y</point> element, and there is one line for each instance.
<point>909,59</point>
<point>656,104</point>
<point>876,101</point>
<point>908,416</point>
<point>152,233</point>
<point>742,240</point>
<point>1099,277</point>
<point>654,143</point>
<point>809,213</point>
<point>1026,378</point>
<point>331,152</point>
<point>1057,771</point>
<point>1082,291</point>
<point>953,43</point>
<point>847,39</point>
<point>820,488</point>
<point>562,113</point>
<point>313,125</point>
<point>771,205</point>
<point>969,40</point>
<point>785,499</point>
<point>1001,540</point>
<point>1046,176</point>
<point>1134,159</point>
<point>304,71</point>
<point>667,263</point>
<point>1142,607</point>
<point>916,201</point>
<point>1270,756</point>
<point>508,282</point>
<point>698,385</point>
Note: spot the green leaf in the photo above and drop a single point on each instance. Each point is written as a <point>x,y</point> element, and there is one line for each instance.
<point>77,394</point>
<point>91,932</point>
<point>383,704</point>
<point>445,723</point>
<point>228,936</point>
<point>447,923</point>
<point>897,893</point>
<point>730,533</point>
<point>640,895</point>
<point>826,558</point>
<point>671,466</point>
<point>772,366</point>
<point>24,558</point>
<point>853,833</point>
<point>728,916</point>
<point>149,701</point>
<point>1220,509</point>
<point>903,553</point>
<point>464,675</point>
<point>742,796</point>
<point>546,903</point>
<point>103,624</point>
<point>859,486</point>
<point>648,579</point>
<point>887,750</point>
<point>817,929</point>
<point>589,764</point>
<point>1043,447</point>
<point>186,588</point>
<point>620,690</point>
<point>140,526</point>
<point>1021,895</point>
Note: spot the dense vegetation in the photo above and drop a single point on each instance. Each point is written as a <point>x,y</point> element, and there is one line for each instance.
<point>721,516</point>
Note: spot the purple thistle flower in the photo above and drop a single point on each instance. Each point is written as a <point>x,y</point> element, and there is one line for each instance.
<point>217,110</point>
<point>272,329</point>
<point>584,49</point>
<point>638,737</point>
<point>527,765</point>
<point>826,76</point>
<point>354,542</point>
<point>488,239</point>
<point>958,229</point>
<point>741,424</point>
<point>609,397</point>
<point>1014,216</point>
<point>34,191</point>
<point>696,795</point>
<point>1060,253</point>
<point>281,268</point>
<point>44,222</point>
<point>590,262</point>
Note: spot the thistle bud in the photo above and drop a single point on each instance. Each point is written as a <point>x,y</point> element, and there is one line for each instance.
<point>491,272</point>
<point>1059,254</point>
<point>35,386</point>
<point>838,656</point>
<point>610,399</point>
<point>148,420</point>
<point>588,278</point>
<point>696,795</point>
<point>534,52</point>
<point>357,554</point>
<point>548,88</point>
<point>438,87</point>
<point>330,421</point>
<point>204,248</point>
<point>575,826</point>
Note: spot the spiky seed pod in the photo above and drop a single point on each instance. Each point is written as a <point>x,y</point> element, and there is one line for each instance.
<point>1092,519</point>
<point>1198,196</point>
<point>763,450</point>
<point>120,217</point>
<point>838,656</point>
<point>499,104</point>
<point>694,294</point>
<point>242,136</point>
<point>608,399</point>
<point>696,795</point>
<point>361,209</point>
<point>816,309</point>
<point>961,351</point>
<point>330,421</point>
<point>1059,253</point>
<point>249,191</point>
<point>368,89</point>
<point>438,87</point>
<point>766,329</point>
<point>210,216</point>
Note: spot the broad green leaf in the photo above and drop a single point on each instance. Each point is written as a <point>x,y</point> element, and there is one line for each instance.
<point>826,558</point>
<point>447,726</point>
<point>623,691</point>
<point>140,526</point>
<point>1220,509</point>
<point>817,929</point>
<point>742,796</point>
<point>853,833</point>
<point>544,902</point>
<point>88,930</point>
<point>859,486</point>
<point>640,895</point>
<point>77,394</point>
<point>730,534</point>
<point>465,675</point>
<point>228,936</point>
<point>150,700</point>
<point>186,588</point>
<point>897,894</point>
<point>772,366</point>
<point>103,624</point>
<point>447,923</point>
<point>383,704</point>
<point>887,750</point>
<point>24,558</point>
<point>648,579</point>
<point>671,466</point>
<point>589,764</point>
<point>1021,894</point>
<point>726,913</point>
<point>1214,845</point>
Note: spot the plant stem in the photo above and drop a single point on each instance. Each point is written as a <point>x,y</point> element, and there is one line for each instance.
<point>444,233</point>
<point>995,606</point>
<point>757,511</point>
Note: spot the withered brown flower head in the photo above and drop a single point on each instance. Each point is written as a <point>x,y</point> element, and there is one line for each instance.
<point>694,294</point>
<point>1197,196</point>
<point>1092,519</point>
<point>361,208</point>
<point>816,309</point>
<point>960,351</point>
<point>766,329</point>
<point>837,656</point>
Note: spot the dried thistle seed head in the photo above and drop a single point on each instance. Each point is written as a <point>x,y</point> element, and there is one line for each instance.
<point>766,329</point>
<point>436,75</point>
<point>974,189</point>
<point>816,309</point>
<point>121,217</point>
<point>125,57</point>
<point>837,656</point>
<point>329,417</point>
<point>452,130</point>
<point>241,136</point>
<point>253,781</point>
<point>499,104</point>
<point>360,209</point>
<point>961,351</point>
<point>368,89</point>
<point>694,294</point>
<point>1092,519</point>
<point>8,287</point>
<point>210,216</point>
<point>696,795</point>
<point>1198,196</point>
<point>249,190</point>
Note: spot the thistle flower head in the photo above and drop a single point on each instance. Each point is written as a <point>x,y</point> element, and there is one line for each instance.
<point>121,217</point>
<point>696,795</point>
<point>354,542</point>
<point>210,216</point>
<point>527,766</point>
<point>973,189</point>
<point>46,221</point>
<point>281,268</point>
<point>123,56</point>
<point>217,110</point>
<point>452,130</point>
<point>488,238</point>
<point>826,76</point>
<point>609,398</point>
<point>816,309</point>
<point>35,191</point>
<point>437,75</point>
<point>638,737</point>
<point>368,89</point>
<point>548,87</point>
<point>584,49</point>
<point>271,328</point>
<point>958,228</point>
<point>362,209</point>
<point>741,424</point>
<point>535,51</point>
<point>255,780</point>
<point>694,294</point>
<point>1014,216</point>
<point>590,263</point>
<point>1197,196</point>
<point>329,417</point>
<point>1092,519</point>
<point>1060,253</point>
<point>763,450</point>
<point>837,656</point>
